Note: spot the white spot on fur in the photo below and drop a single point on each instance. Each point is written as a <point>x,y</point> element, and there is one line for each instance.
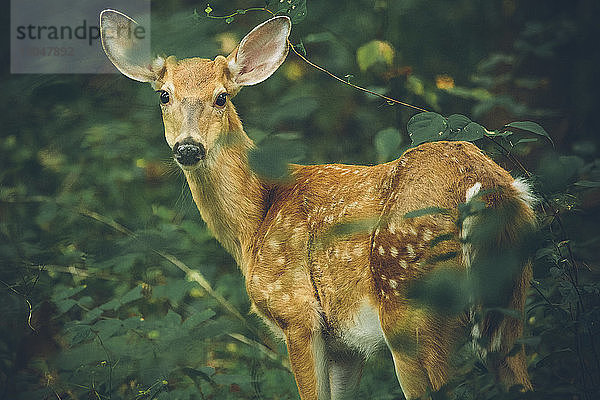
<point>472,191</point>
<point>381,250</point>
<point>358,251</point>
<point>410,250</point>
<point>427,235</point>
<point>392,228</point>
<point>393,284</point>
<point>403,264</point>
<point>393,251</point>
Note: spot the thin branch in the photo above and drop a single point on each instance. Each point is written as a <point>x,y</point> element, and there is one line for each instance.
<point>9,287</point>
<point>390,100</point>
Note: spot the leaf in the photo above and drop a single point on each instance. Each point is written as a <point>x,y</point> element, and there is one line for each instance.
<point>587,184</point>
<point>387,142</point>
<point>461,127</point>
<point>441,238</point>
<point>83,332</point>
<point>295,9</point>
<point>208,9</point>
<point>373,53</point>
<point>107,327</point>
<point>300,48</point>
<point>526,140</point>
<point>132,295</point>
<point>202,372</point>
<point>271,160</point>
<point>506,311</point>
<point>196,319</point>
<point>532,341</point>
<point>532,127</point>
<point>458,121</point>
<point>473,131</point>
<point>63,292</point>
<point>65,305</point>
<point>426,127</point>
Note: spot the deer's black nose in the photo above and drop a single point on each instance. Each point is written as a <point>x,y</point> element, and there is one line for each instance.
<point>188,152</point>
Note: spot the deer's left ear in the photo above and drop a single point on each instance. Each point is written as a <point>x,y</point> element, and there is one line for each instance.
<point>260,52</point>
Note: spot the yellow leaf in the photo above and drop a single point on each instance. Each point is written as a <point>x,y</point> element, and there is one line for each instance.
<point>375,52</point>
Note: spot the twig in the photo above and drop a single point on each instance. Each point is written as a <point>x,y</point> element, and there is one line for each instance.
<point>318,67</point>
<point>9,287</point>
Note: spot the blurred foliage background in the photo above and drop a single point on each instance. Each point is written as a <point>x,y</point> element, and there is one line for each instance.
<point>111,286</point>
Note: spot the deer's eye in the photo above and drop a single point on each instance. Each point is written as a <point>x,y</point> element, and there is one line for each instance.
<point>164,97</point>
<point>221,99</point>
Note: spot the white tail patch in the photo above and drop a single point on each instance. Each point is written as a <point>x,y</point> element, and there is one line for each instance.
<point>467,249</point>
<point>524,190</point>
<point>472,191</point>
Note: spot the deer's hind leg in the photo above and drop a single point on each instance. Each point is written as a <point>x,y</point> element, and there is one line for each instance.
<point>421,343</point>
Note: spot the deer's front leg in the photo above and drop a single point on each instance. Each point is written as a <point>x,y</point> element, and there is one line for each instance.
<point>306,349</point>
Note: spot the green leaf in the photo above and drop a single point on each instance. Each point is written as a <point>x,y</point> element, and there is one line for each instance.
<point>83,332</point>
<point>229,20</point>
<point>458,121</point>
<point>202,372</point>
<point>473,131</point>
<point>132,295</point>
<point>295,9</point>
<point>587,184</point>
<point>441,238</point>
<point>107,327</point>
<point>426,127</point>
<point>532,127</point>
<point>387,142</point>
<point>196,319</point>
<point>526,140</point>
<point>63,292</point>
<point>506,311</point>
<point>271,160</point>
<point>425,211</point>
<point>65,305</point>
<point>300,48</point>
<point>461,127</point>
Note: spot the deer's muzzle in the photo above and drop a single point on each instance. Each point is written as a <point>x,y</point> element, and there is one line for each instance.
<point>188,152</point>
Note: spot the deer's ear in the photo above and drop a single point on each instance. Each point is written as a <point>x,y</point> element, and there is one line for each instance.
<point>260,52</point>
<point>124,49</point>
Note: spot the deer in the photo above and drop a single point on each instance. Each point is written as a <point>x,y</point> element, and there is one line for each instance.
<point>336,302</point>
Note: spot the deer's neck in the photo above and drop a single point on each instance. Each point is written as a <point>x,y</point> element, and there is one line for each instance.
<point>230,197</point>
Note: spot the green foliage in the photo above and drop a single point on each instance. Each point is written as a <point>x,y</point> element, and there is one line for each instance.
<point>295,9</point>
<point>103,253</point>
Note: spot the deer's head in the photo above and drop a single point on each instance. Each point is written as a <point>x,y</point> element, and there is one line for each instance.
<point>195,93</point>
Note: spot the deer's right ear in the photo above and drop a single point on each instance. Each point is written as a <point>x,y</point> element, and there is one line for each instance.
<point>124,50</point>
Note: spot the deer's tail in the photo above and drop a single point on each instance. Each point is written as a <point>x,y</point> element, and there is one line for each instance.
<point>496,246</point>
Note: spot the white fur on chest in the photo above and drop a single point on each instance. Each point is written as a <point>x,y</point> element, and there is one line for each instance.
<point>363,332</point>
